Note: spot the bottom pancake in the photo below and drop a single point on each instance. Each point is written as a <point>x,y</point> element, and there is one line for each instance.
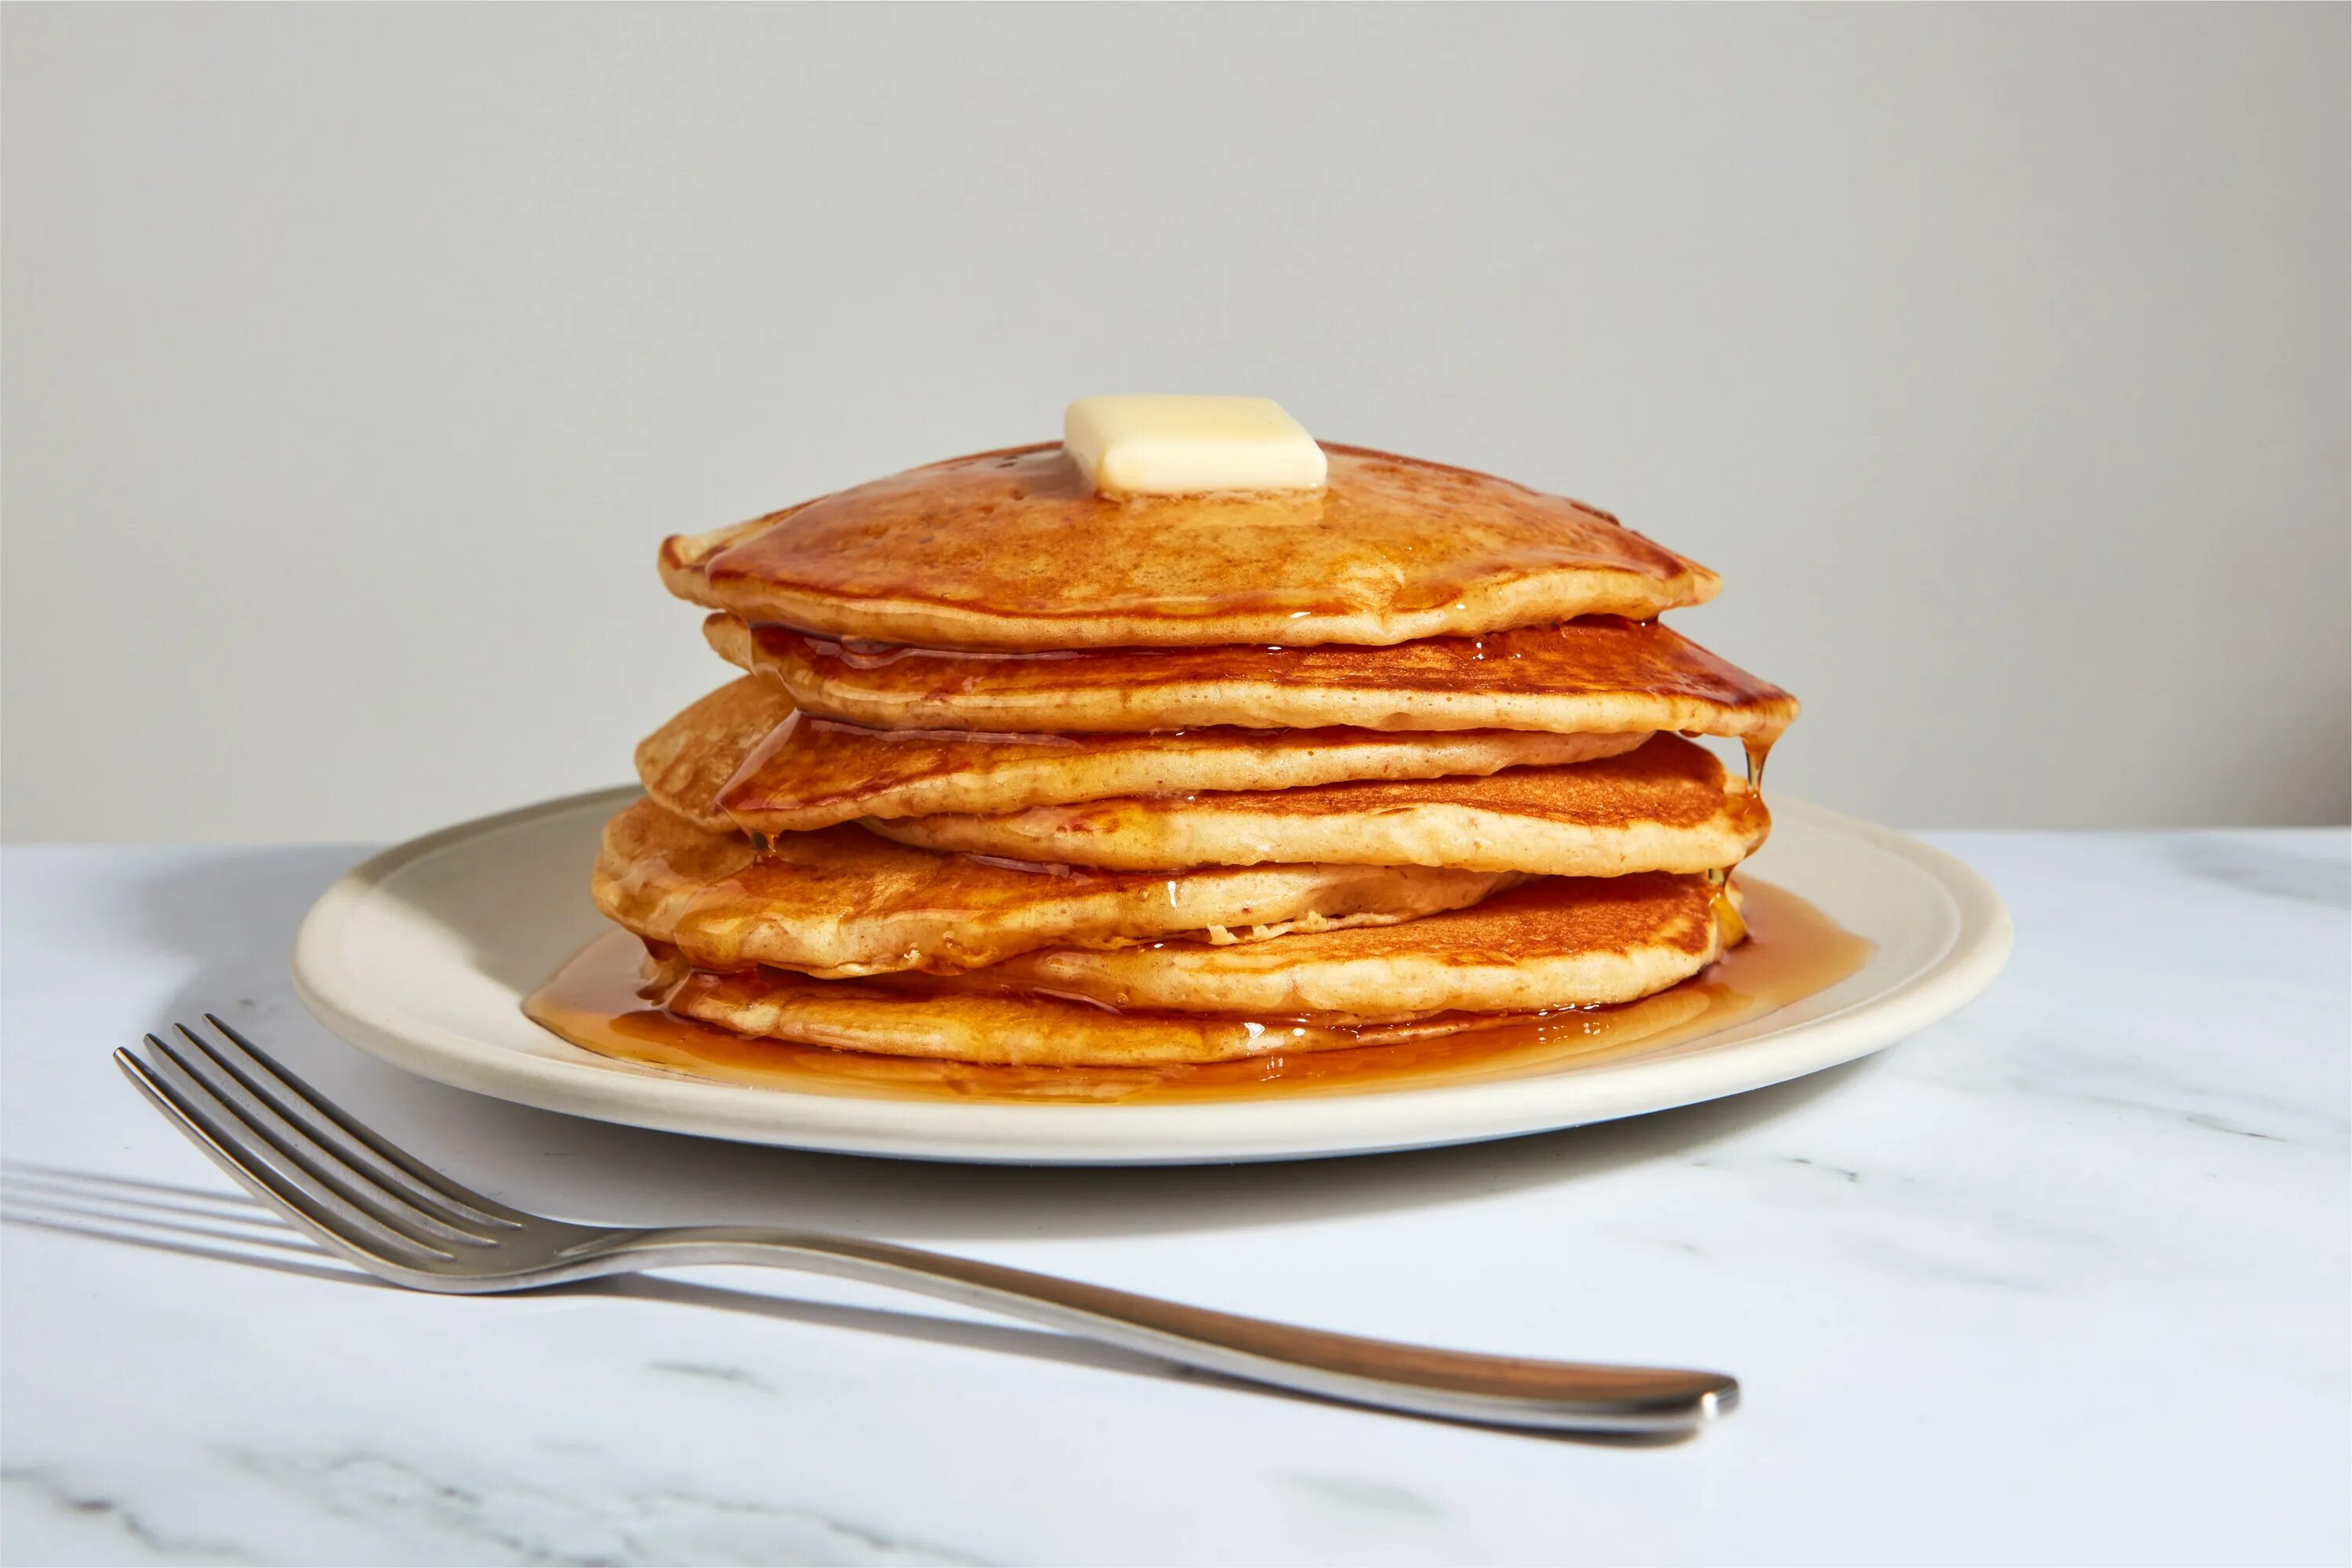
<point>1003,1030</point>
<point>1559,948</point>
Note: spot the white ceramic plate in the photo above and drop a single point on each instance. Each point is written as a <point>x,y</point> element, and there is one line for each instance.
<point>423,956</point>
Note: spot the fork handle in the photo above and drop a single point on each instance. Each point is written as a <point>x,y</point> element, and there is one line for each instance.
<point>1509,1391</point>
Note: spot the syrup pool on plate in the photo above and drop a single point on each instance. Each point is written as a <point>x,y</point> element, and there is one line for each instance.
<point>1793,951</point>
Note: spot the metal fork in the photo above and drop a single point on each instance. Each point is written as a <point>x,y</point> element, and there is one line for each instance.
<point>403,1221</point>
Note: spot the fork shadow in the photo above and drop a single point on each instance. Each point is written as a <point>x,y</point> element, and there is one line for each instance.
<point>229,1227</point>
<point>234,915</point>
<point>222,1227</point>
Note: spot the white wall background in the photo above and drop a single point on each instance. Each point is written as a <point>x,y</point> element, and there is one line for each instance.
<point>356,357</point>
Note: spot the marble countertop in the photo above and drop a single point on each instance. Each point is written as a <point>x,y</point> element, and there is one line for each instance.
<point>2063,1279</point>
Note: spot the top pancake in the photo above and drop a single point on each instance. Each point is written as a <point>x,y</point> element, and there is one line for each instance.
<point>1014,551</point>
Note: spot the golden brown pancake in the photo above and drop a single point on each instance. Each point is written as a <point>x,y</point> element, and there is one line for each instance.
<point>1559,942</point>
<point>1599,674</point>
<point>1667,806</point>
<point>879,1018</point>
<point>841,901</point>
<point>744,757</point>
<point>1013,550</point>
<point>966,1020</point>
<point>593,1004</point>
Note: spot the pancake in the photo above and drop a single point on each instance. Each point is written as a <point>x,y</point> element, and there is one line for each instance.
<point>904,1016</point>
<point>1013,550</point>
<point>1559,942</point>
<point>1600,675</point>
<point>1667,806</point>
<point>841,901</point>
<point>744,757</point>
<point>1026,1031</point>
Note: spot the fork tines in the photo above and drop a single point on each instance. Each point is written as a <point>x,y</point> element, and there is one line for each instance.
<point>287,1143</point>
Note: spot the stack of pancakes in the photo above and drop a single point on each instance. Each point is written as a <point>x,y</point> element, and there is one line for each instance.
<point>1018,773</point>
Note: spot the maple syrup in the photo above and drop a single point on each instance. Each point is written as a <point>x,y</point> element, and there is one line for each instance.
<point>1590,654</point>
<point>1013,550</point>
<point>1793,951</point>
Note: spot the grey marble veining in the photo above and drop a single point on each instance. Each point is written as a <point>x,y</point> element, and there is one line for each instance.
<point>2066,1279</point>
<point>2267,863</point>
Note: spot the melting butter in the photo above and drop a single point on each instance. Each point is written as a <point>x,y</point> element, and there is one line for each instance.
<point>1190,446</point>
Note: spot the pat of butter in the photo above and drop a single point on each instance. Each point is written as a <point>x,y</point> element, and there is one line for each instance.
<point>1185,445</point>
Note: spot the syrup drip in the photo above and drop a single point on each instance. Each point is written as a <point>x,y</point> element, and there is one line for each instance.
<point>749,769</point>
<point>1793,951</point>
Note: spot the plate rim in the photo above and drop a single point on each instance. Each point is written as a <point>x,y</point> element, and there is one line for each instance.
<point>1214,1131</point>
